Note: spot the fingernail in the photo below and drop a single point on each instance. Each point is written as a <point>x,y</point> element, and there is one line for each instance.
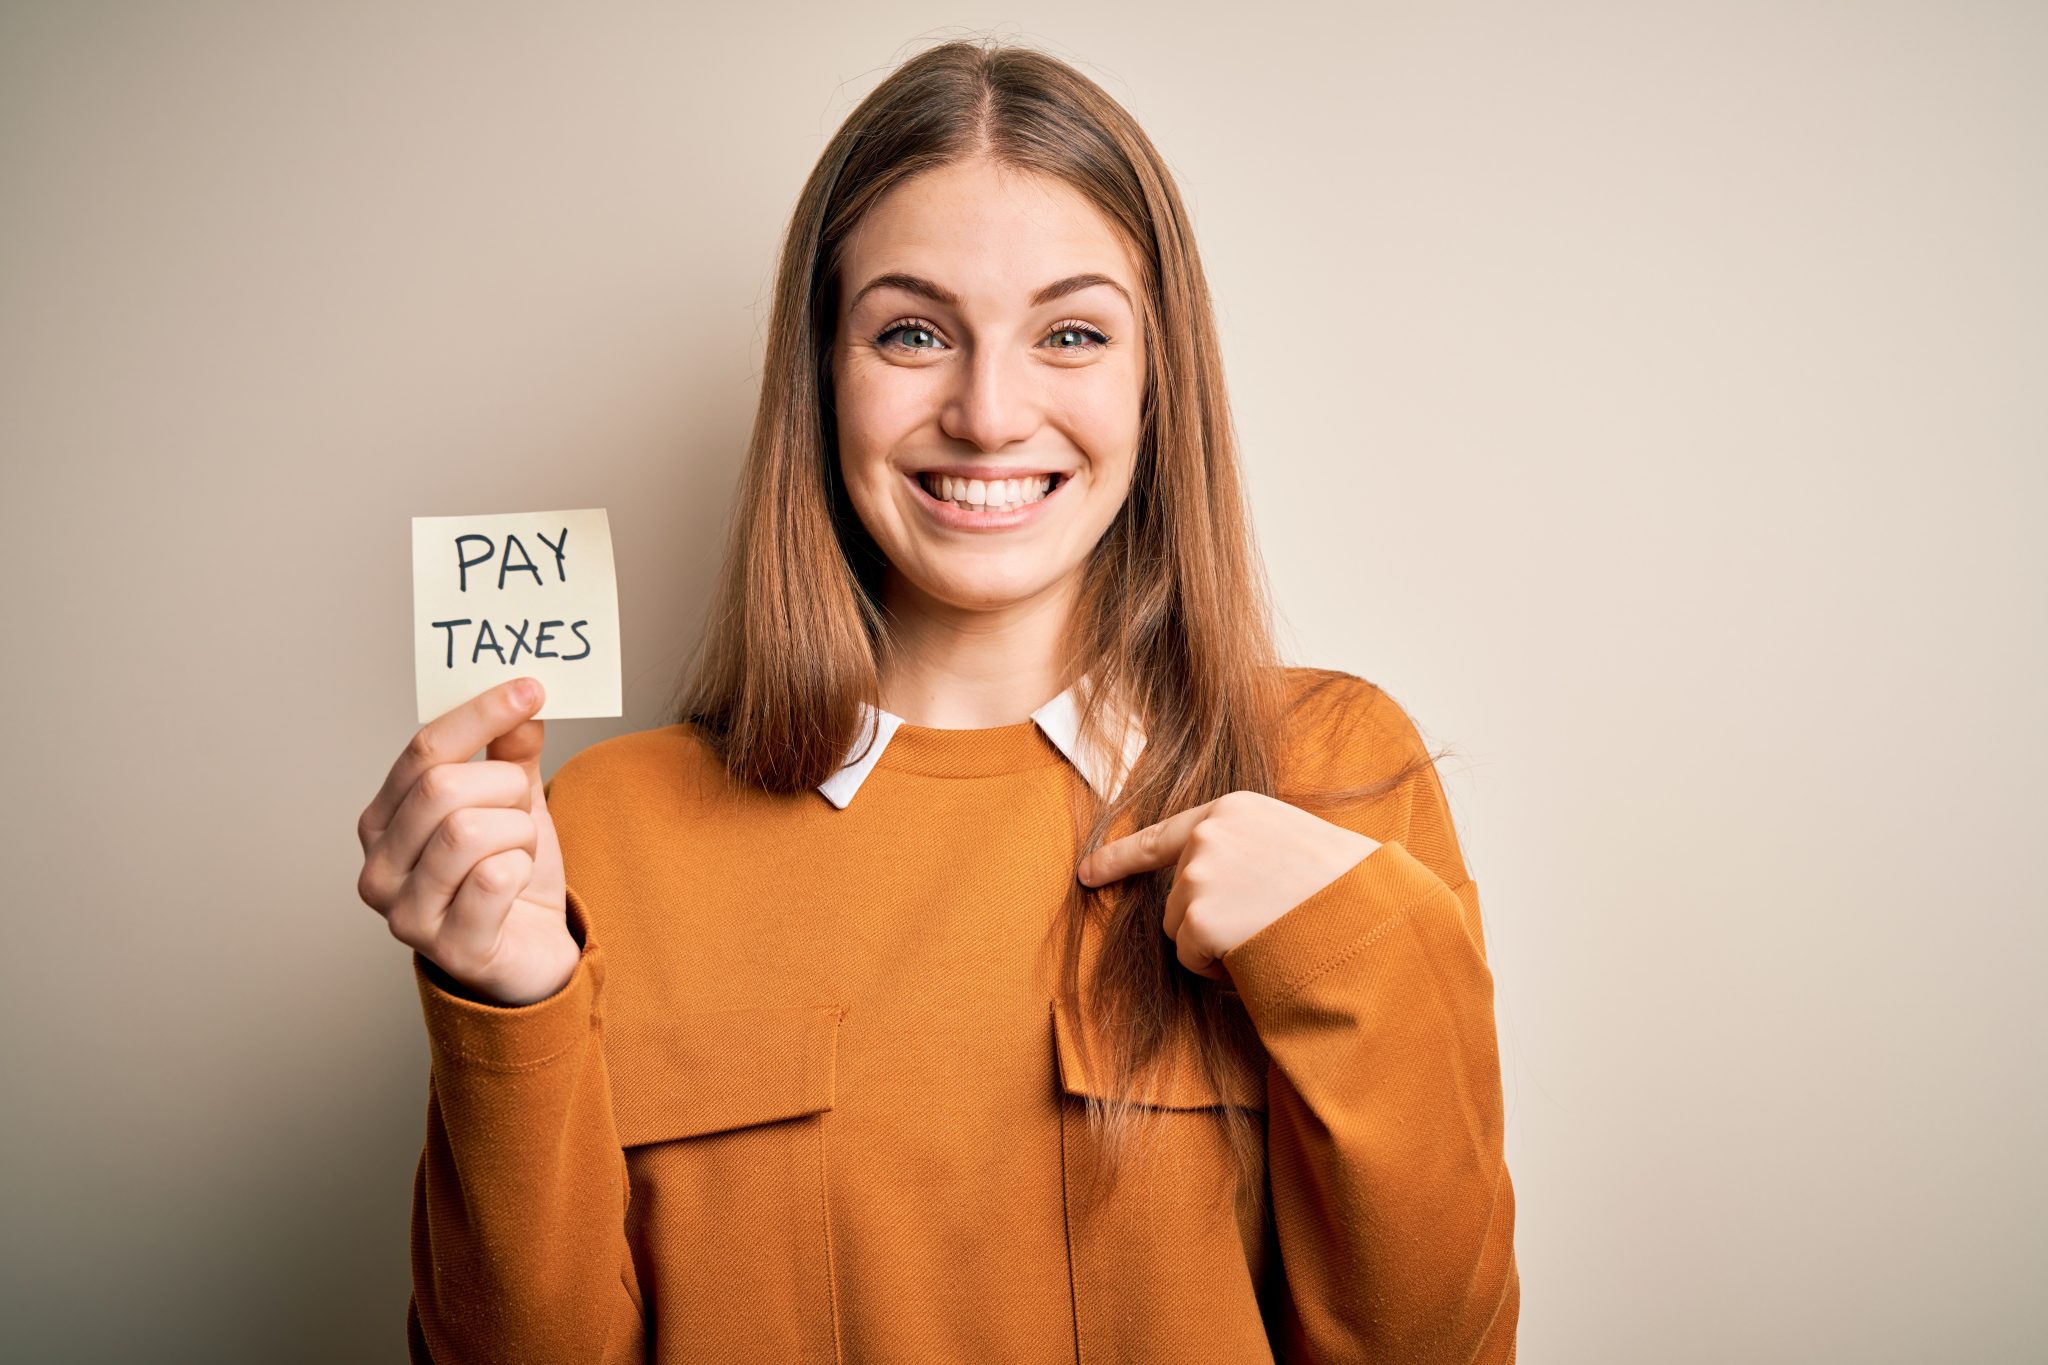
<point>522,693</point>
<point>1082,871</point>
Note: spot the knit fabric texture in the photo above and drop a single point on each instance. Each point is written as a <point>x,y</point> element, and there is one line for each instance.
<point>813,1093</point>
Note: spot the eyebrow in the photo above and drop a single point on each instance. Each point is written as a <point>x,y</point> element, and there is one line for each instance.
<point>924,288</point>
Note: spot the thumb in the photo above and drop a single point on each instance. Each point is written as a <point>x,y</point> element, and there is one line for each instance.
<point>522,743</point>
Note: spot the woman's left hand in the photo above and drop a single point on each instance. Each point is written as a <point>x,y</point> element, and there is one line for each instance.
<point>1240,862</point>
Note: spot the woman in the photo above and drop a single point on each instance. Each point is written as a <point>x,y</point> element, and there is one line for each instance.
<point>965,974</point>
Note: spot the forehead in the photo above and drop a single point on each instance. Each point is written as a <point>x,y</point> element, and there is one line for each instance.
<point>991,235</point>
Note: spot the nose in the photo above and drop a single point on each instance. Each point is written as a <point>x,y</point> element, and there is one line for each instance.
<point>993,402</point>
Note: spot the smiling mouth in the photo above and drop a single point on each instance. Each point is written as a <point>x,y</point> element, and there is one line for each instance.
<point>990,495</point>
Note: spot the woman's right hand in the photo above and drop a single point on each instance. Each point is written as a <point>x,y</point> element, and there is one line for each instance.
<point>461,859</point>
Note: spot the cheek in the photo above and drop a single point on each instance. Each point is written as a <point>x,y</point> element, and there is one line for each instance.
<point>1106,422</point>
<point>878,406</point>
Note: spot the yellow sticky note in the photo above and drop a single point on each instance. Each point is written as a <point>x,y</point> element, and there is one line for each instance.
<point>516,595</point>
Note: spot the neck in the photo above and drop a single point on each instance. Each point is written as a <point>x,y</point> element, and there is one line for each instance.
<point>957,667</point>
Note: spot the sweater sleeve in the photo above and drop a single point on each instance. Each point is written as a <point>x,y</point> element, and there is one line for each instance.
<point>518,1217</point>
<point>1391,1196</point>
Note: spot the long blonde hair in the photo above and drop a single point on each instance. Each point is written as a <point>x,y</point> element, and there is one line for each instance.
<point>1173,619</point>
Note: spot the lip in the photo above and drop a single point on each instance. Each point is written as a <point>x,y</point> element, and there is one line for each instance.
<point>946,514</point>
<point>987,471</point>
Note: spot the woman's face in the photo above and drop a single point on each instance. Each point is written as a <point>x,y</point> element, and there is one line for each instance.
<point>987,331</point>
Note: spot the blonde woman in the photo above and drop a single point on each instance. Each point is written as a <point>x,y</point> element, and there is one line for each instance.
<point>1002,956</point>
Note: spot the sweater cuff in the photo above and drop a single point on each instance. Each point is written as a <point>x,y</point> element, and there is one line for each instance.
<point>462,1031</point>
<point>1312,937</point>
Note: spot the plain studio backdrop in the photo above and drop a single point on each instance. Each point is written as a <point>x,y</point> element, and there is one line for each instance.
<point>1647,396</point>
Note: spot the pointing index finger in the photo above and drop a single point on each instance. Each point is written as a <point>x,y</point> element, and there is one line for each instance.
<point>1156,845</point>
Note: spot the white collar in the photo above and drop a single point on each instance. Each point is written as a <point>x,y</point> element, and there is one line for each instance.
<point>1059,718</point>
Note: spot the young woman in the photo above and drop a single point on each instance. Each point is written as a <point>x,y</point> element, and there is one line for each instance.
<point>1002,957</point>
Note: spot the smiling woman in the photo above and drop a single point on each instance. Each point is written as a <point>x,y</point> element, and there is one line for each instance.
<point>1003,954</point>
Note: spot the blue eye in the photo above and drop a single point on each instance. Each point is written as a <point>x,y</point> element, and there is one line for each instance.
<point>1078,329</point>
<point>916,328</point>
<point>893,328</point>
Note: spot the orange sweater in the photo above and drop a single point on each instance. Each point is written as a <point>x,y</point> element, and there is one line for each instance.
<point>811,1095</point>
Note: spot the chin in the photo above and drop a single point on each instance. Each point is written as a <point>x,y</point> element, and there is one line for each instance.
<point>980,593</point>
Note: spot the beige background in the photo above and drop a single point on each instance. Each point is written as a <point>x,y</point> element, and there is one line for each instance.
<point>1647,395</point>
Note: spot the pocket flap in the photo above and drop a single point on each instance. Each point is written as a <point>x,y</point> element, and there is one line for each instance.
<point>1176,1077</point>
<point>705,1073</point>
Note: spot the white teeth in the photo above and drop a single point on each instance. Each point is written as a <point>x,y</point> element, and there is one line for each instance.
<point>983,495</point>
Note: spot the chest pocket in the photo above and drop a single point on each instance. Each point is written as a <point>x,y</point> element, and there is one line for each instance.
<point>693,1074</point>
<point>1168,1231</point>
<point>723,1119</point>
<point>1177,1082</point>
